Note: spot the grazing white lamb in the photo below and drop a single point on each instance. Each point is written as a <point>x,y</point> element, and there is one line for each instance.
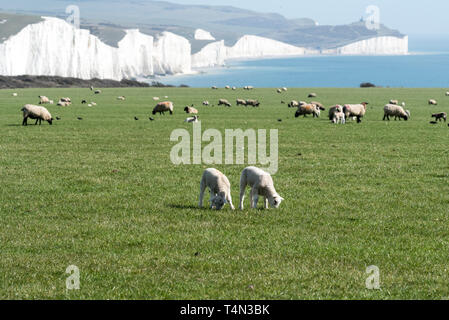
<point>261,184</point>
<point>220,189</point>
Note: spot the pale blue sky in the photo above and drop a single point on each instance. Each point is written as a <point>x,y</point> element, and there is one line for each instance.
<point>412,17</point>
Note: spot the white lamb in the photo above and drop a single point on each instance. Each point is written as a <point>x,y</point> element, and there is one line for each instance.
<point>261,184</point>
<point>220,189</point>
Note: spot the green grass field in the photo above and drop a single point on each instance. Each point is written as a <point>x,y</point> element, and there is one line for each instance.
<point>102,194</point>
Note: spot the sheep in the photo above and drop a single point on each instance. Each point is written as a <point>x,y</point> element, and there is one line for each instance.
<point>319,105</point>
<point>261,184</point>
<point>312,95</point>
<point>15,94</point>
<point>396,111</point>
<point>433,102</point>
<point>293,104</point>
<point>241,102</point>
<point>83,102</point>
<point>279,90</point>
<point>254,103</point>
<point>224,102</point>
<point>97,91</point>
<point>35,112</point>
<point>163,107</point>
<point>63,103</point>
<point>122,98</point>
<point>355,110</point>
<point>305,109</point>
<point>156,98</point>
<point>234,88</point>
<point>396,102</point>
<point>205,103</point>
<point>440,116</point>
<point>91,88</point>
<point>192,119</point>
<point>43,100</point>
<point>447,94</point>
<point>227,87</point>
<point>248,88</point>
<point>403,104</point>
<point>214,88</point>
<point>337,115</point>
<point>284,89</point>
<point>220,189</point>
<point>188,109</point>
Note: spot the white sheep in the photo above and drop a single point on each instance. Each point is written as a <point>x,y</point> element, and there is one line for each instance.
<point>261,184</point>
<point>97,91</point>
<point>35,112</point>
<point>394,102</point>
<point>228,87</point>
<point>355,110</point>
<point>293,104</point>
<point>205,103</point>
<point>122,98</point>
<point>63,103</point>
<point>284,89</point>
<point>15,94</point>
<point>163,107</point>
<point>156,98</point>
<point>433,102</point>
<point>220,189</point>
<point>192,119</point>
<point>279,90</point>
<point>43,100</point>
<point>224,102</point>
<point>392,110</point>
<point>191,110</point>
<point>336,114</point>
<point>240,102</point>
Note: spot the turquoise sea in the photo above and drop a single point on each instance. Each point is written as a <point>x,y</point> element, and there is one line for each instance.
<point>426,66</point>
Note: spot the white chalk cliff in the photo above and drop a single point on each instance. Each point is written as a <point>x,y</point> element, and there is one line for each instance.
<point>201,34</point>
<point>374,46</point>
<point>54,47</point>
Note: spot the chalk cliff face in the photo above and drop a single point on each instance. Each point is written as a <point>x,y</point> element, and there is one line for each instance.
<point>216,53</point>
<point>201,34</point>
<point>374,46</point>
<point>54,47</point>
<point>172,54</point>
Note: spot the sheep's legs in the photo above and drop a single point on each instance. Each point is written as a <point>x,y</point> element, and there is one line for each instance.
<point>254,198</point>
<point>25,121</point>
<point>242,190</point>
<point>266,202</point>
<point>202,189</point>
<point>229,200</point>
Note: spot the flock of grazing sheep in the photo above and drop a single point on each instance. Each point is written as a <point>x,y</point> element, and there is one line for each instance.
<point>259,181</point>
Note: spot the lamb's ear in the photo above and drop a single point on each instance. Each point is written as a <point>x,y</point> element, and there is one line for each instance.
<point>282,199</point>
